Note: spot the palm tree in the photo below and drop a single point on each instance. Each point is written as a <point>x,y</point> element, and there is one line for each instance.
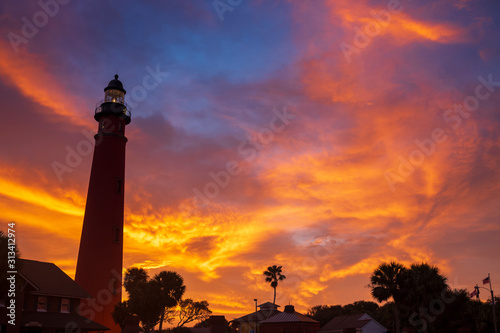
<point>134,279</point>
<point>273,275</point>
<point>386,283</point>
<point>171,287</point>
<point>422,284</point>
<point>144,298</point>
<point>120,314</point>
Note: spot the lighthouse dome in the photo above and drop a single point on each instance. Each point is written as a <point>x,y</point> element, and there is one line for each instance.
<point>115,84</point>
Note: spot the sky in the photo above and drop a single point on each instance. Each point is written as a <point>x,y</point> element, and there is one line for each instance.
<point>327,137</point>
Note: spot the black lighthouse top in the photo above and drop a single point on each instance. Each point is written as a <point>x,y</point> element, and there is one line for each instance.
<point>115,84</point>
<point>114,102</point>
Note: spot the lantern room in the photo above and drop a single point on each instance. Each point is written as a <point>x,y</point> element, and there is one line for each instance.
<point>114,101</point>
<point>114,92</point>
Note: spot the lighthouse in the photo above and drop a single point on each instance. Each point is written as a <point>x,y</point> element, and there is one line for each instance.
<point>100,256</point>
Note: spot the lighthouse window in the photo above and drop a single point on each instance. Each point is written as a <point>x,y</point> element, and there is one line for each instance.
<point>119,186</point>
<point>42,304</point>
<point>113,95</point>
<point>120,126</point>
<point>116,231</point>
<point>65,305</point>
<point>114,283</point>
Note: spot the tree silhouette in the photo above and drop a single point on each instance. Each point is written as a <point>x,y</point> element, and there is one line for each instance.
<point>149,298</point>
<point>456,312</point>
<point>273,275</point>
<point>134,279</point>
<point>144,298</point>
<point>386,283</point>
<point>427,304</point>
<point>120,314</point>
<point>422,284</point>
<point>325,313</point>
<point>171,287</point>
<point>190,311</point>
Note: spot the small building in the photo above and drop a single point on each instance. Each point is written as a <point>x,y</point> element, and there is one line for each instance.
<point>355,323</point>
<point>250,322</point>
<point>47,301</point>
<point>216,324</point>
<point>289,321</point>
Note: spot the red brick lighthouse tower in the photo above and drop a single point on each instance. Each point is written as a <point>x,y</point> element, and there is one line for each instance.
<point>100,258</point>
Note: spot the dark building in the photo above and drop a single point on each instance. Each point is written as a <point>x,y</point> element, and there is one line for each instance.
<point>217,324</point>
<point>355,323</point>
<point>47,301</point>
<point>289,321</point>
<point>250,322</point>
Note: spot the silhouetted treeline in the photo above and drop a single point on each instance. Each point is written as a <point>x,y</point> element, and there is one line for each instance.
<point>325,313</point>
<point>417,298</point>
<point>461,313</point>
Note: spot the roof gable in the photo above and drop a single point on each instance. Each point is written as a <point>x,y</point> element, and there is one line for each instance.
<point>346,321</point>
<point>286,317</point>
<point>268,305</point>
<point>289,316</point>
<point>257,316</point>
<point>48,279</point>
<point>266,310</point>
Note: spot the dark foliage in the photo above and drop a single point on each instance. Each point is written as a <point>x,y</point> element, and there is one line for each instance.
<point>420,299</point>
<point>149,299</point>
<point>273,275</point>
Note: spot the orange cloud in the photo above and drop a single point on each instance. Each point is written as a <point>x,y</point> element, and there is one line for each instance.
<point>39,197</point>
<point>30,74</point>
<point>443,33</point>
<point>390,18</point>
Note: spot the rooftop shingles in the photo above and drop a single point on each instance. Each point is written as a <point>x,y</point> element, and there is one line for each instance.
<point>289,316</point>
<point>50,280</point>
<point>346,321</point>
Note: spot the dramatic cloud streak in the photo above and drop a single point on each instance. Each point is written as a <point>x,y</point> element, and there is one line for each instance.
<point>385,155</point>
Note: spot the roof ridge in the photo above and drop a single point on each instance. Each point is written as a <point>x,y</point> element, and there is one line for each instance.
<point>49,279</point>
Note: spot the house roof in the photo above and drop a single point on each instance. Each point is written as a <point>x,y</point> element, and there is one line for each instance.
<point>257,316</point>
<point>289,316</point>
<point>347,321</point>
<point>60,321</point>
<point>266,310</point>
<point>48,279</point>
<point>267,305</point>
